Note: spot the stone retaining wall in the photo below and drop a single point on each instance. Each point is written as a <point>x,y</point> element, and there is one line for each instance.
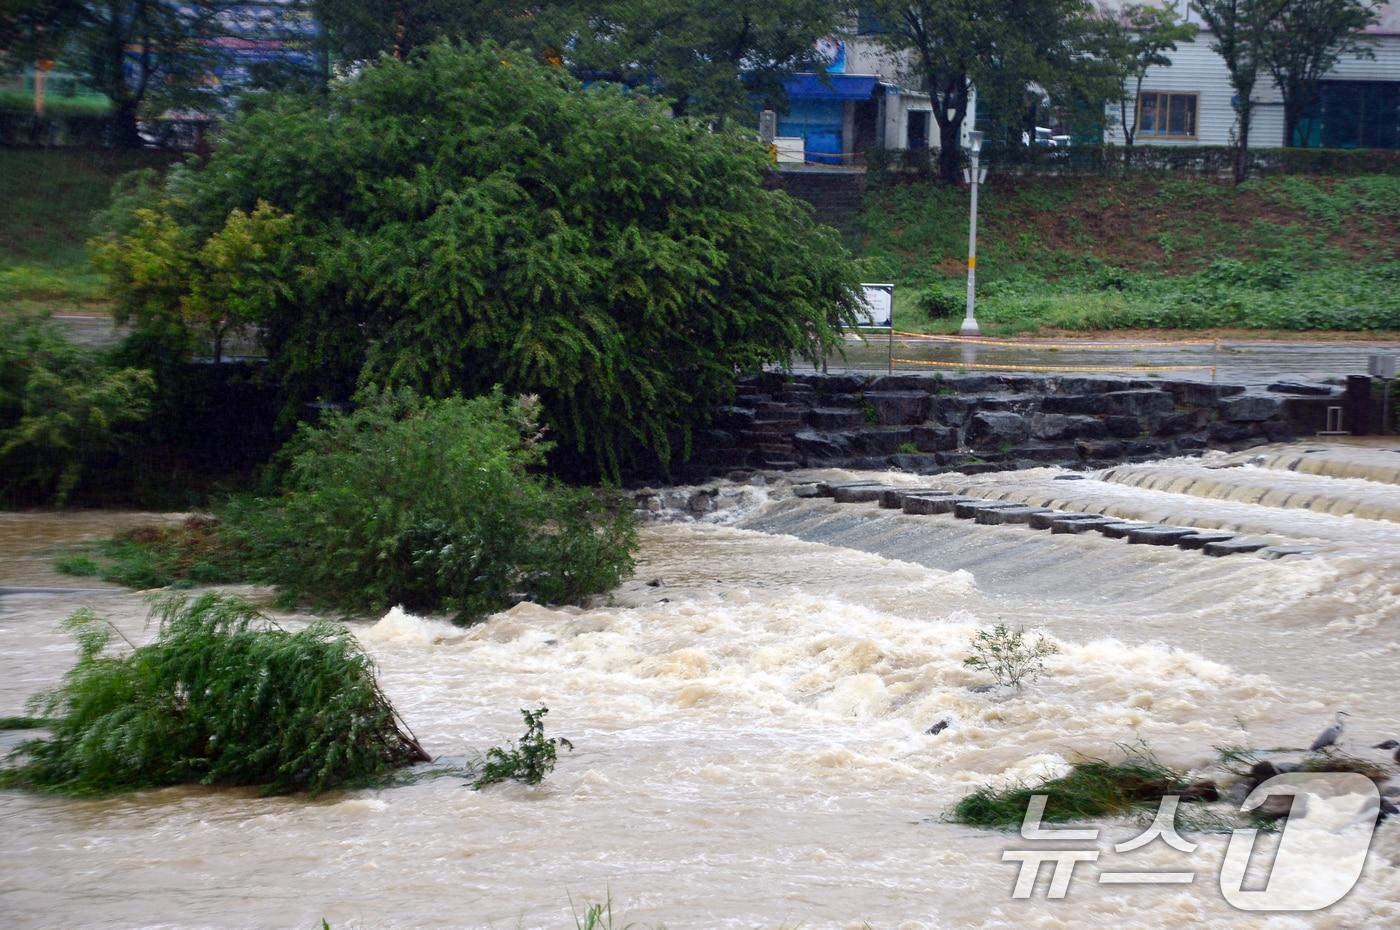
<point>976,423</point>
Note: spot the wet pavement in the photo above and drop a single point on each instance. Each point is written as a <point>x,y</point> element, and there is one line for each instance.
<point>1237,362</point>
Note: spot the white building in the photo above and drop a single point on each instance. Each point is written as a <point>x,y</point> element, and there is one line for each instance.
<point>1190,102</point>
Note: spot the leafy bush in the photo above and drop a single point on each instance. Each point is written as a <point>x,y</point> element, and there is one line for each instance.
<point>1010,655</point>
<point>64,411</point>
<point>1092,788</point>
<point>472,217</point>
<point>223,696</point>
<point>175,283</point>
<point>940,302</point>
<point>430,504</point>
<point>529,761</point>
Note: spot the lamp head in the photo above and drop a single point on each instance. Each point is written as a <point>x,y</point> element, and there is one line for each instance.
<point>974,141</point>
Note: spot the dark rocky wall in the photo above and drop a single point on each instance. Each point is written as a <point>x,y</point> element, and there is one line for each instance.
<point>975,423</point>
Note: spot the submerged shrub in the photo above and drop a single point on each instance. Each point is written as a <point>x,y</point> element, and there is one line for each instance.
<point>223,696</point>
<point>431,504</point>
<point>1009,654</point>
<point>529,761</point>
<point>1091,788</point>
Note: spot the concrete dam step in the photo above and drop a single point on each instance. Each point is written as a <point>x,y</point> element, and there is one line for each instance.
<point>1334,460</point>
<point>1266,487</point>
<point>929,502</point>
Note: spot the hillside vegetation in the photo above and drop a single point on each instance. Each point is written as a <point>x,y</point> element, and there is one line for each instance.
<point>1281,253</point>
<point>49,198</point>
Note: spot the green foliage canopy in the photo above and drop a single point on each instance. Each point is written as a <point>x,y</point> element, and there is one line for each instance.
<point>705,59</point>
<point>998,46</point>
<point>204,290</point>
<point>471,218</point>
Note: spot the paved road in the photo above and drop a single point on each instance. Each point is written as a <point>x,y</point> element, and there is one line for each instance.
<point>1251,362</point>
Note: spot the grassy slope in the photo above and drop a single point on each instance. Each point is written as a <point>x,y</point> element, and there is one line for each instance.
<point>1287,253</point>
<point>49,198</point>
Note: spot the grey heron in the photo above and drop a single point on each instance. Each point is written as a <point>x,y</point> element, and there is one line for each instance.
<point>1329,736</point>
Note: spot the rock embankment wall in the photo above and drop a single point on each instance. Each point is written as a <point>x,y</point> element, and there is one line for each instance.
<point>976,423</point>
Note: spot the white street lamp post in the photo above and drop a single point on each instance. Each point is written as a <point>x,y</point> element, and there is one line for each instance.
<point>974,177</point>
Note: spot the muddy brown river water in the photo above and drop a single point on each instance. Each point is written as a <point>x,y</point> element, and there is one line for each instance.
<point>750,731</point>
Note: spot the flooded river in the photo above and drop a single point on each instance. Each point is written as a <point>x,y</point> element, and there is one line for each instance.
<point>750,716</point>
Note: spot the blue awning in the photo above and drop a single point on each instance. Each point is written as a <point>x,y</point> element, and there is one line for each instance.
<point>833,87</point>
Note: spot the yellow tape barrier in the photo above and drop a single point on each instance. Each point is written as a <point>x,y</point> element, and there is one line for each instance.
<point>990,367</point>
<point>1088,346</point>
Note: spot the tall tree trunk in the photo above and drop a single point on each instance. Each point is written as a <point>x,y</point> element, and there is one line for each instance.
<point>1242,146</point>
<point>950,150</point>
<point>127,135</point>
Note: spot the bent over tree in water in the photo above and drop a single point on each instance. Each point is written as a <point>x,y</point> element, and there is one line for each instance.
<point>223,696</point>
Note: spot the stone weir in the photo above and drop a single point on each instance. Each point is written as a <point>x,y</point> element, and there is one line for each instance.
<point>977,423</point>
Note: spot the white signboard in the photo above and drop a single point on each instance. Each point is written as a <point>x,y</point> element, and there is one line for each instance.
<point>878,311</point>
<point>791,149</point>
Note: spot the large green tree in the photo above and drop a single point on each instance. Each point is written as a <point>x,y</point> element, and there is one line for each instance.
<point>1237,33</point>
<point>362,30</point>
<point>1305,41</point>
<point>472,217</point>
<point>704,59</point>
<point>999,47</point>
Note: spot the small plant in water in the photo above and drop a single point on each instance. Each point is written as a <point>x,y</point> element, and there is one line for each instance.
<point>596,917</point>
<point>1010,655</point>
<point>529,761</point>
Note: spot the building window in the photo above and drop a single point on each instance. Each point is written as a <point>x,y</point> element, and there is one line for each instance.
<point>1171,116</point>
<point>1352,114</point>
<point>869,23</point>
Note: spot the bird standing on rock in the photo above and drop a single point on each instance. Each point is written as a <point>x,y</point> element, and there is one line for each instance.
<point>1329,736</point>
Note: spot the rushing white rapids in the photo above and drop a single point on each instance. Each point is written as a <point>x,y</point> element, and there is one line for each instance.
<point>751,730</point>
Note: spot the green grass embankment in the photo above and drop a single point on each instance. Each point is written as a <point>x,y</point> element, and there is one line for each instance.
<point>49,199</point>
<point>1291,254</point>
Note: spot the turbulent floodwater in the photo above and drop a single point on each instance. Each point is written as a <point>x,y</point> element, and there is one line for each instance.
<point>750,713</point>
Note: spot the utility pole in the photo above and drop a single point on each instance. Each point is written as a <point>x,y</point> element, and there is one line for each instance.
<point>974,176</point>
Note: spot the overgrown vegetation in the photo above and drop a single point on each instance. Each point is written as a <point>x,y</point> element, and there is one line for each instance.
<point>528,761</point>
<point>66,412</point>
<point>1091,788</point>
<point>516,229</point>
<point>1010,655</point>
<point>223,696</point>
<point>1153,251</point>
<point>191,553</point>
<point>431,504</point>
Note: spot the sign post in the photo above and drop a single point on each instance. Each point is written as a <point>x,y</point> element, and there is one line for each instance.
<point>879,312</point>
